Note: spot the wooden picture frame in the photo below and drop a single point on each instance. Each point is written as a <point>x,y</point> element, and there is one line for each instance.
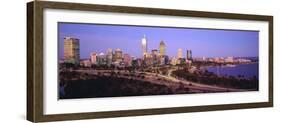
<point>35,62</point>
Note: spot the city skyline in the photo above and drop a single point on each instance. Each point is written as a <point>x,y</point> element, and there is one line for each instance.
<point>203,42</point>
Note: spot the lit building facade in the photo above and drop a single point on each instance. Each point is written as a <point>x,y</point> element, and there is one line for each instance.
<point>127,60</point>
<point>189,55</point>
<point>86,63</point>
<point>71,50</point>
<point>148,60</point>
<point>162,48</point>
<point>144,46</point>
<point>155,57</point>
<point>164,60</point>
<point>180,53</point>
<point>229,59</point>
<point>94,58</point>
<point>154,52</point>
<point>136,62</point>
<point>101,59</point>
<point>118,55</point>
<point>219,59</point>
<point>109,56</point>
<point>174,61</point>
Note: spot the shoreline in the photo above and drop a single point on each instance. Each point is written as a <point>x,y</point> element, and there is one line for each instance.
<point>227,66</point>
<point>207,66</point>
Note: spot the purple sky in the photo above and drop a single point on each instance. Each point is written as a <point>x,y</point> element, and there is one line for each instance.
<point>202,42</point>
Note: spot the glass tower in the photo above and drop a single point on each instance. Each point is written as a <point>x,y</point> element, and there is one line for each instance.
<point>71,50</point>
<point>144,46</point>
<point>189,55</point>
<point>162,48</point>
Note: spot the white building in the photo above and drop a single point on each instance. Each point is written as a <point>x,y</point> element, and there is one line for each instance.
<point>229,59</point>
<point>144,46</point>
<point>94,58</point>
<point>180,53</point>
<point>174,61</point>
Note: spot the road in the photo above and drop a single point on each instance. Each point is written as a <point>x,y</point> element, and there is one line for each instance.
<point>160,79</point>
<point>198,84</point>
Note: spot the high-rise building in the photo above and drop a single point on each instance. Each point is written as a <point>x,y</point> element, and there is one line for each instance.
<point>144,46</point>
<point>94,58</point>
<point>162,61</point>
<point>109,56</point>
<point>148,60</point>
<point>180,53</point>
<point>71,50</point>
<point>166,58</point>
<point>101,59</point>
<point>118,54</point>
<point>189,55</point>
<point>136,62</point>
<point>155,57</point>
<point>127,60</point>
<point>162,48</point>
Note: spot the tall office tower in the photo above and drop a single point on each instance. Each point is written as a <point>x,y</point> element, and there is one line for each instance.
<point>127,60</point>
<point>148,60</point>
<point>162,48</point>
<point>155,56</point>
<point>94,58</point>
<point>144,46</point>
<point>118,55</point>
<point>71,50</point>
<point>101,59</point>
<point>189,55</point>
<point>166,59</point>
<point>180,53</point>
<point>109,56</point>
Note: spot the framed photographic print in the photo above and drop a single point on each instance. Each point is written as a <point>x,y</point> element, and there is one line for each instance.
<point>96,61</point>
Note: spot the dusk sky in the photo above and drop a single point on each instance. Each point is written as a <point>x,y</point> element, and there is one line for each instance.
<point>202,42</point>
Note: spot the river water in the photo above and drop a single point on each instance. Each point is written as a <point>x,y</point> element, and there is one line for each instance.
<point>246,70</point>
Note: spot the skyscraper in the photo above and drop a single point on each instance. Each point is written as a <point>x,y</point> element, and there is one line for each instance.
<point>127,60</point>
<point>71,50</point>
<point>101,59</point>
<point>118,54</point>
<point>189,55</point>
<point>94,58</point>
<point>162,48</point>
<point>148,60</point>
<point>144,46</point>
<point>180,53</point>
<point>155,56</point>
<point>109,56</point>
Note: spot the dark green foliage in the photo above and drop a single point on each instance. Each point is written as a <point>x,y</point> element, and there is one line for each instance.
<point>210,78</point>
<point>112,87</point>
